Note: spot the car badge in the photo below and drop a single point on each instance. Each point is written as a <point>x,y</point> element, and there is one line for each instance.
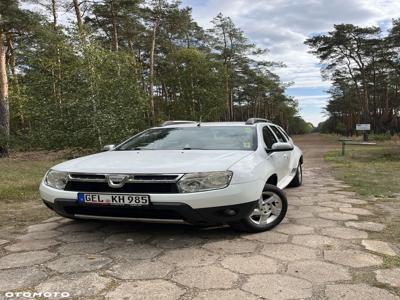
<point>117,181</point>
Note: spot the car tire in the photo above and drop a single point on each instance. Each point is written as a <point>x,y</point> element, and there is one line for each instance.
<point>298,178</point>
<point>273,201</point>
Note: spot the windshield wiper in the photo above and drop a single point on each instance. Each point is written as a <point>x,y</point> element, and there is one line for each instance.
<point>134,149</point>
<point>190,148</point>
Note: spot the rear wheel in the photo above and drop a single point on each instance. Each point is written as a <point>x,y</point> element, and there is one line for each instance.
<point>298,178</point>
<point>269,212</point>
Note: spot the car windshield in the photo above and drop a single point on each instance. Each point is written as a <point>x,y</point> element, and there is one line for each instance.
<point>194,138</point>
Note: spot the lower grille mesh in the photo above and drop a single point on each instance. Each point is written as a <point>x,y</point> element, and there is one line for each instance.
<point>130,187</point>
<point>125,212</point>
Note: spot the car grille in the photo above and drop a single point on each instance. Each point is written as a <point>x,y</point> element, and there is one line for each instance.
<point>148,188</point>
<point>141,183</point>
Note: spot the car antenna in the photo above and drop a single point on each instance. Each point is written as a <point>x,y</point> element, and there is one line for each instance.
<point>198,124</point>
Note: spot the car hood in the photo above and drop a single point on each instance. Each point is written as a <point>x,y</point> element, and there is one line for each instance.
<point>154,161</point>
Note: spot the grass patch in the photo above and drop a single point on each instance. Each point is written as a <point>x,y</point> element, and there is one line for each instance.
<point>369,170</point>
<point>330,137</point>
<point>391,262</point>
<point>20,202</point>
<point>19,180</point>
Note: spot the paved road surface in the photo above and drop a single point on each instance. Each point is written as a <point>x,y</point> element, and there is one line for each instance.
<point>323,250</point>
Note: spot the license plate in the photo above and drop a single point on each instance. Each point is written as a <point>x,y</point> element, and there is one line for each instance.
<point>116,199</point>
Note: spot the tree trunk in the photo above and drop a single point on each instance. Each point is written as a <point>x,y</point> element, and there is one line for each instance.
<point>226,70</point>
<point>13,64</point>
<point>4,105</point>
<point>57,77</point>
<point>114,27</point>
<point>78,16</point>
<point>153,47</point>
<point>54,12</point>
<point>194,102</point>
<point>366,99</point>
<point>231,105</point>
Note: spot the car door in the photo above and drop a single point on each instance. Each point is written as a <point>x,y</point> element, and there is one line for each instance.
<point>286,155</point>
<point>278,160</point>
<point>293,155</point>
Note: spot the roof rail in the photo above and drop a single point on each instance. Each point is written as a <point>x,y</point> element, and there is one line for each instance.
<point>252,121</point>
<point>166,123</point>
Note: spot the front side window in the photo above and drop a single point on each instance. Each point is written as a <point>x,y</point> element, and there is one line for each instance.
<point>279,135</point>
<point>194,138</point>
<point>269,138</point>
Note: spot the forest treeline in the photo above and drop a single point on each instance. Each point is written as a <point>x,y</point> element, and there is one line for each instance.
<point>363,64</point>
<point>122,66</point>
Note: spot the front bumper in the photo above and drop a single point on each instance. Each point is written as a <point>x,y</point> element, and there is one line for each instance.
<point>231,195</point>
<point>157,211</point>
<point>199,208</point>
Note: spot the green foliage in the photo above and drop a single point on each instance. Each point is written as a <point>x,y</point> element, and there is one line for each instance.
<point>298,126</point>
<point>96,100</point>
<point>363,65</point>
<point>89,87</point>
<point>12,17</point>
<point>380,137</point>
<point>198,83</point>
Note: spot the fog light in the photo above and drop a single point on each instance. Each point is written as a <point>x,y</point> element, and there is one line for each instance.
<point>230,212</point>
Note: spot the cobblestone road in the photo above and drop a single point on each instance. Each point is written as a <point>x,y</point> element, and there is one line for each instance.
<point>326,248</point>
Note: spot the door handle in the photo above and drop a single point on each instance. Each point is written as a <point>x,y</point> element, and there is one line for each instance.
<point>285,156</point>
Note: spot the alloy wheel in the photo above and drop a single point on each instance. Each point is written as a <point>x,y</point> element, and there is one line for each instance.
<point>268,209</point>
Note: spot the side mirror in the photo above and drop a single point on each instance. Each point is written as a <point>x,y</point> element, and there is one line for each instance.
<point>280,147</point>
<point>108,148</point>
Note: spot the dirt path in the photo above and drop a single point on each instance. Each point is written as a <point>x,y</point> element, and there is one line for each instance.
<point>314,147</point>
<point>326,248</point>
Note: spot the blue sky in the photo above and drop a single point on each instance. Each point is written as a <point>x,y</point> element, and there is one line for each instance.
<point>283,25</point>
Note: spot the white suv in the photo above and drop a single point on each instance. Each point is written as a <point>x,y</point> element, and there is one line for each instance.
<point>183,171</point>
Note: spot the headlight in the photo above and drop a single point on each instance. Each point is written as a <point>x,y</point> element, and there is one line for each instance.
<point>199,182</point>
<point>56,179</point>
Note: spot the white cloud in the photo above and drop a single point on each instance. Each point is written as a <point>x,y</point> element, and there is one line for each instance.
<point>312,107</point>
<point>283,25</point>
<point>313,100</point>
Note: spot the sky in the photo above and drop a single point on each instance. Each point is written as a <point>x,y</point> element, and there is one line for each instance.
<point>282,26</point>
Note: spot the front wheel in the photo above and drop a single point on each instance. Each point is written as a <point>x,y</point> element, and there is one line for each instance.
<point>298,178</point>
<point>269,212</point>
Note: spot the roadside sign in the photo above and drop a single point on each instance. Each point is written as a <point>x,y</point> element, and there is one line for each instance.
<point>363,126</point>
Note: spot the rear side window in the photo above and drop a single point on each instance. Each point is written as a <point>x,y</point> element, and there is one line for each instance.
<point>284,133</point>
<point>279,135</point>
<point>269,138</point>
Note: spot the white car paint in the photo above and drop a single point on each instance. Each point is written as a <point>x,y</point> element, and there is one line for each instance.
<point>251,170</point>
<point>156,161</point>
